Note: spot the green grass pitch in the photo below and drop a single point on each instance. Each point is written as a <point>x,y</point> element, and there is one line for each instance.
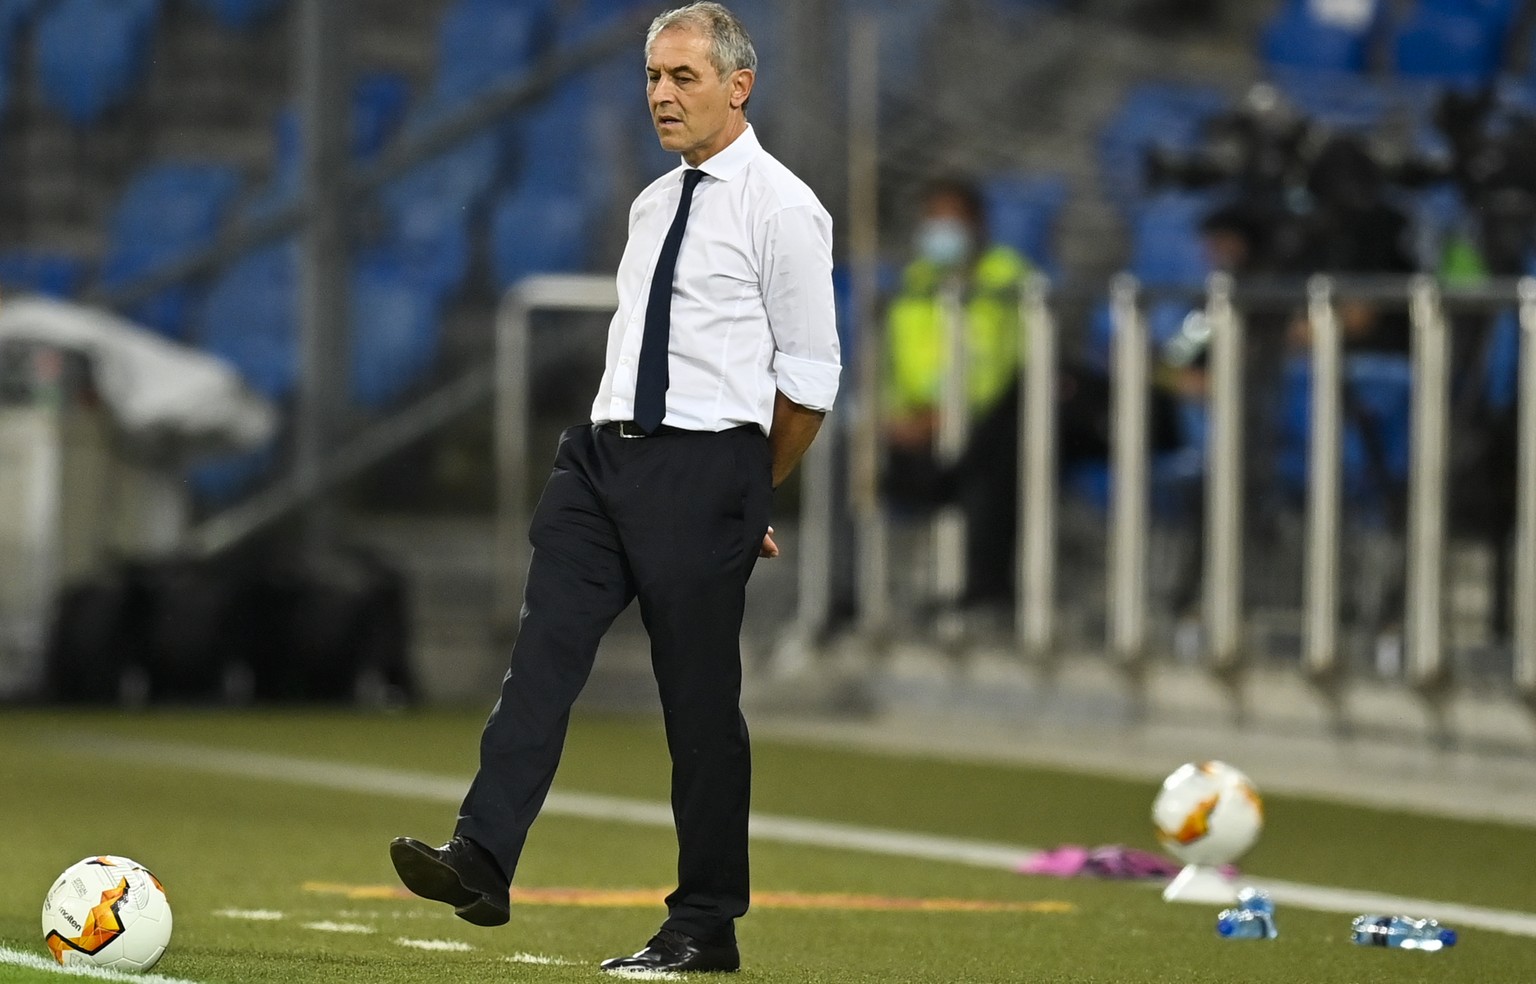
<point>222,843</point>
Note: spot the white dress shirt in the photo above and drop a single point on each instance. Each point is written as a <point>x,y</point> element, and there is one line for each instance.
<point>752,308</point>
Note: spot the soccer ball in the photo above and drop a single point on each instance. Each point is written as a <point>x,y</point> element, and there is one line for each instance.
<point>1207,813</point>
<point>108,912</point>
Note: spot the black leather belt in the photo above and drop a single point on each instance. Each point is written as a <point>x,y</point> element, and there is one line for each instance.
<point>628,428</point>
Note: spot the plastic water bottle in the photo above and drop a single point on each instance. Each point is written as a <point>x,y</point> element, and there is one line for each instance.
<point>1256,900</point>
<point>1253,919</point>
<point>1402,932</point>
<point>1244,924</point>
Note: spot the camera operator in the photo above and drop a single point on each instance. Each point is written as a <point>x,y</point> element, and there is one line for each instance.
<point>1319,197</point>
<point>1351,228</point>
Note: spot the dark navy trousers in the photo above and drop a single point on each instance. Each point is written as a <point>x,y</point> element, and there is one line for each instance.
<point>674,520</point>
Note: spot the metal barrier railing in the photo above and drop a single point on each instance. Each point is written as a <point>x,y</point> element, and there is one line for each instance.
<point>1224,622</point>
<point>1424,604</point>
<point>1129,510</point>
<point>1035,611</point>
<point>1320,654</point>
<point>1224,481</point>
<point>1525,517</point>
<point>1127,637</point>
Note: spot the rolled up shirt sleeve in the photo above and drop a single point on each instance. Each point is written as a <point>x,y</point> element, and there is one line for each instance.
<point>797,295</point>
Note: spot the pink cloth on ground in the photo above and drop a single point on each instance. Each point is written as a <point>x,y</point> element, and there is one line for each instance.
<point>1112,861</point>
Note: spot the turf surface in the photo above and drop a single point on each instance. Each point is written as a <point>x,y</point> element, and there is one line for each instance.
<point>225,844</point>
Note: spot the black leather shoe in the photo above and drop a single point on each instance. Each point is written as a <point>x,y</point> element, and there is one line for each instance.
<point>670,950</point>
<point>460,873</point>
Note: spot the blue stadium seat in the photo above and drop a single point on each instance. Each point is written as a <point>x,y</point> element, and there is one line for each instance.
<point>90,54</point>
<point>1498,15</point>
<point>462,176</point>
<point>17,14</point>
<point>1295,38</point>
<point>887,283</point>
<point>379,99</point>
<point>1165,240</point>
<point>432,237</point>
<point>558,141</point>
<point>1450,48</point>
<point>485,42</point>
<point>583,19</point>
<point>427,211</point>
<point>1501,367</point>
<point>1380,388</point>
<point>51,274</point>
<point>378,106</point>
<point>533,231</point>
<point>1022,211</point>
<point>906,32</point>
<point>395,332</point>
<point>223,479</point>
<point>251,320</point>
<point>168,212</point>
<point>1341,101</point>
<point>1169,116</point>
<point>241,15</point>
<point>571,143</point>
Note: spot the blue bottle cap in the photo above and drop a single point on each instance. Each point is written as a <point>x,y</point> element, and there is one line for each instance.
<point>1448,937</point>
<point>1226,926</point>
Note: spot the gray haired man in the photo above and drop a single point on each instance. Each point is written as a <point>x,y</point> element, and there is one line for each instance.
<point>722,359</point>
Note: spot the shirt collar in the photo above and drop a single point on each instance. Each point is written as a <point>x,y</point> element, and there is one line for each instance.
<point>737,155</point>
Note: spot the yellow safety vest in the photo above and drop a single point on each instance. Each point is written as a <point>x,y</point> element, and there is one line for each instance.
<point>916,350</point>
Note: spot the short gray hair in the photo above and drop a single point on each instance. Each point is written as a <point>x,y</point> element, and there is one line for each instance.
<point>730,49</point>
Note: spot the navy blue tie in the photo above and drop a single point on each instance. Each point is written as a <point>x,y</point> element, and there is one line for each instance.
<point>651,375</point>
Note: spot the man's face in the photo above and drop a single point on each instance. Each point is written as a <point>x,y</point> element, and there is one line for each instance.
<point>696,113</point>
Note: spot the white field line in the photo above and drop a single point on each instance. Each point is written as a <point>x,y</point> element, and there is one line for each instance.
<point>447,946</point>
<point>32,961</point>
<point>250,915</point>
<point>540,960</point>
<point>327,926</point>
<point>375,780</point>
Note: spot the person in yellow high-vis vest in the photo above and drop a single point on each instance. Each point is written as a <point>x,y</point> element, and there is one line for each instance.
<point>951,244</point>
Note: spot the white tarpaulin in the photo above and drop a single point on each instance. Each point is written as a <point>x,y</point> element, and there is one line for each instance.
<point>153,388</point>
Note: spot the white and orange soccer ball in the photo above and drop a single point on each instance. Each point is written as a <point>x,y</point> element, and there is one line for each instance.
<point>107,912</point>
<point>1207,813</point>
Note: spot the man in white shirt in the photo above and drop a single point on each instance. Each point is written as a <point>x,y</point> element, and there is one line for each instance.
<point>722,360</point>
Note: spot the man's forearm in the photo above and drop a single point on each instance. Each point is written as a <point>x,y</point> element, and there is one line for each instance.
<point>794,428</point>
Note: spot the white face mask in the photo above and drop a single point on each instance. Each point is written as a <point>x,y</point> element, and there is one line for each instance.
<point>945,242</point>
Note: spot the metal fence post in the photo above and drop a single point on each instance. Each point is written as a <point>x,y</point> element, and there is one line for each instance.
<point>1128,506</point>
<point>1224,480</point>
<point>322,266</point>
<point>1035,613</point>
<point>515,473</point>
<point>1525,519</point>
<point>1324,467</point>
<point>513,327</point>
<point>1425,593</point>
<point>873,567</point>
<point>954,424</point>
<point>817,502</point>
